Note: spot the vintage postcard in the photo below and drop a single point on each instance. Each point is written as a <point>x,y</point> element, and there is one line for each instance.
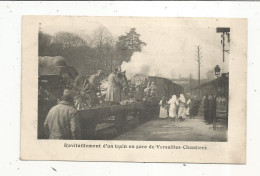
<point>137,89</point>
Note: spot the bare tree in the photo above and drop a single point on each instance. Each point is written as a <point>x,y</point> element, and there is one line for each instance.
<point>103,42</point>
<point>100,37</point>
<point>67,40</point>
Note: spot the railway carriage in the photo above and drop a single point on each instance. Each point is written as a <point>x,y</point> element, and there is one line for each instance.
<point>54,77</point>
<point>165,86</point>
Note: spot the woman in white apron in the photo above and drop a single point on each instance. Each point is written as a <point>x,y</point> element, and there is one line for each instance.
<point>182,108</point>
<point>163,108</point>
<point>173,107</point>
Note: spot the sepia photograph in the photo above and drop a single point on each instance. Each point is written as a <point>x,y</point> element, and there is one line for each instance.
<point>100,81</point>
<point>137,86</point>
<point>129,88</point>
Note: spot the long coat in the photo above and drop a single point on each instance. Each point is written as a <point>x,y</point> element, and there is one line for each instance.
<point>182,109</point>
<point>94,83</point>
<point>62,122</point>
<point>206,109</point>
<point>173,109</point>
<point>113,90</point>
<point>212,109</point>
<point>163,110</point>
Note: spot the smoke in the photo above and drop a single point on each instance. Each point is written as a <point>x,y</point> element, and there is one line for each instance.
<point>154,65</point>
<point>162,65</point>
<point>137,65</point>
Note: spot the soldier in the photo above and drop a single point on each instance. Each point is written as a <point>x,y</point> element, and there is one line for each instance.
<point>212,109</point>
<point>123,84</point>
<point>62,121</point>
<point>206,108</point>
<point>94,87</point>
<point>113,89</point>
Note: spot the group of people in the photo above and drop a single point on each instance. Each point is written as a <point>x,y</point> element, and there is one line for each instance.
<point>178,108</point>
<point>128,91</point>
<point>116,87</point>
<point>62,121</point>
<point>209,106</point>
<point>150,91</point>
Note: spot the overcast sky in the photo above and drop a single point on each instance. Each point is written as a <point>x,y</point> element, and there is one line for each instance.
<point>171,42</point>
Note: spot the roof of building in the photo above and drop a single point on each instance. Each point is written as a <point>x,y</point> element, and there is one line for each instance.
<point>223,77</point>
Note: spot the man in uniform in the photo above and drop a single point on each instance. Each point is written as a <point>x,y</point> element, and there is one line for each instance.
<point>113,89</point>
<point>206,108</point>
<point>94,86</point>
<point>62,121</point>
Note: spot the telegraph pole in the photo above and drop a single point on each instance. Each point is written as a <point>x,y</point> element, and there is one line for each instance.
<point>190,82</point>
<point>199,60</point>
<point>224,31</point>
<point>223,45</point>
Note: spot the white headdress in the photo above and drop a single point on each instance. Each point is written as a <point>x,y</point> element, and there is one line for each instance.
<point>173,99</point>
<point>182,98</point>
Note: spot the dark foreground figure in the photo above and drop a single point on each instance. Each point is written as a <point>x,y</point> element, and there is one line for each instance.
<point>62,121</point>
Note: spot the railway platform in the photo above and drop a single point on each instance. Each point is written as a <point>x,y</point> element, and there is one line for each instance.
<point>167,130</point>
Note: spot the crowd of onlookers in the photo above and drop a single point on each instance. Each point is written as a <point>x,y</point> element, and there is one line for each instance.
<point>180,108</point>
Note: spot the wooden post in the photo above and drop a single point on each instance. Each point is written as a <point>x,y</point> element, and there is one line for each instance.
<point>199,60</point>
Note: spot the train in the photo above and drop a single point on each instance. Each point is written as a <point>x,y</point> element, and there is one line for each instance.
<point>54,77</point>
<point>165,86</point>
